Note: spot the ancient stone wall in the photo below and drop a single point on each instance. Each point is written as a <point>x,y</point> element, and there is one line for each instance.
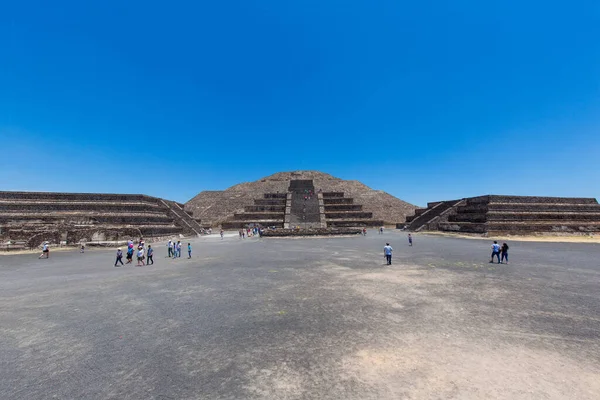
<point>494,214</point>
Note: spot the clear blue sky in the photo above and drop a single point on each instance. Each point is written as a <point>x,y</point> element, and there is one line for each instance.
<point>426,100</point>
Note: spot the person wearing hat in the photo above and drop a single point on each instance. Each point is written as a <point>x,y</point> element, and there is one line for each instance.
<point>119,257</point>
<point>387,252</point>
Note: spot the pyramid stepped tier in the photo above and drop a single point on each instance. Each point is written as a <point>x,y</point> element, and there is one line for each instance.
<point>266,211</point>
<point>217,207</point>
<point>84,216</point>
<point>511,215</point>
<point>341,211</point>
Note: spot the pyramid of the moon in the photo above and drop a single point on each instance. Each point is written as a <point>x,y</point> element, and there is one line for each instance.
<point>279,198</point>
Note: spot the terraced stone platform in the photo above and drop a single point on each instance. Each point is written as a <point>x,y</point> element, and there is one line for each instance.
<point>266,211</point>
<point>217,207</point>
<point>33,217</point>
<point>494,214</point>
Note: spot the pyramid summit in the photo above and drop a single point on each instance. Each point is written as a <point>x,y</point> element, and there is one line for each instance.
<point>264,201</point>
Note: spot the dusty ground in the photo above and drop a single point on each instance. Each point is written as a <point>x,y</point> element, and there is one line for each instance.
<point>305,319</point>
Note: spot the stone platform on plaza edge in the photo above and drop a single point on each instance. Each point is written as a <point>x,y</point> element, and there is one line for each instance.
<point>521,215</point>
<point>29,218</point>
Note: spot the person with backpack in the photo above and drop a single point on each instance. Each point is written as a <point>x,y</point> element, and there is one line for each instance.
<point>504,251</point>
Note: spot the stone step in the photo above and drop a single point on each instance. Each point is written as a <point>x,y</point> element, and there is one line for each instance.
<point>332,223</point>
<point>343,207</point>
<point>526,227</point>
<point>348,214</point>
<point>528,207</point>
<point>340,200</point>
<point>493,199</point>
<point>259,216</point>
<point>269,202</point>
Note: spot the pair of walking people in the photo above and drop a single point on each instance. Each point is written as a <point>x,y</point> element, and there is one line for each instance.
<point>500,252</point>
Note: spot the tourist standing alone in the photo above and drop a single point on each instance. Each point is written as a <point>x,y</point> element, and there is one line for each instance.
<point>222,234</point>
<point>150,253</point>
<point>495,251</point>
<point>189,250</point>
<point>45,251</point>
<point>387,252</point>
<point>504,251</point>
<point>119,257</point>
<point>409,239</point>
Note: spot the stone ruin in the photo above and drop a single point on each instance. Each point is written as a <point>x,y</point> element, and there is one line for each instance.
<point>29,218</point>
<point>520,215</point>
<point>278,200</point>
<point>301,206</point>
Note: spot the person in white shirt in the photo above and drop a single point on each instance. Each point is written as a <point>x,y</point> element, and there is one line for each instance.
<point>495,252</point>
<point>45,251</point>
<point>140,256</point>
<point>170,246</point>
<point>387,252</point>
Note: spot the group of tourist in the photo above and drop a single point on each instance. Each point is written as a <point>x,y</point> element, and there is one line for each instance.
<point>248,232</point>
<point>174,249</point>
<point>146,256</point>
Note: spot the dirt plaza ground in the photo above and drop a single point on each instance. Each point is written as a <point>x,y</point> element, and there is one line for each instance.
<point>319,318</point>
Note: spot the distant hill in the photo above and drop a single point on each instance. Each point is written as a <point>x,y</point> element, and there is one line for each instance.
<point>214,207</point>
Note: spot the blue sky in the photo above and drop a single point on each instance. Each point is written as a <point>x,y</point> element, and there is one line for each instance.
<point>426,100</point>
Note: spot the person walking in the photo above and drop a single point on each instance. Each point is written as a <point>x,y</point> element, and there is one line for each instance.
<point>222,234</point>
<point>82,248</point>
<point>170,248</point>
<point>504,251</point>
<point>495,252</point>
<point>179,248</point>
<point>150,254</point>
<point>140,257</point>
<point>387,252</point>
<point>381,230</point>
<point>45,251</point>
<point>119,257</point>
<point>410,239</point>
<point>129,255</point>
<point>364,231</point>
<point>189,251</point>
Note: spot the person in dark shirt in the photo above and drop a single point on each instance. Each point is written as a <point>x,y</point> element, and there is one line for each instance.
<point>119,257</point>
<point>504,252</point>
<point>150,253</point>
